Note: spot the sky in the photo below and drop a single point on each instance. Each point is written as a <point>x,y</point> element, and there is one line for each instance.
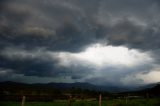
<point>102,42</point>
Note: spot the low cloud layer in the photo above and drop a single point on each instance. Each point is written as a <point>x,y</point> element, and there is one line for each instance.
<point>97,64</point>
<point>95,41</point>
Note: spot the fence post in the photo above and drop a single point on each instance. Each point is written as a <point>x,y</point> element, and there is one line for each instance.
<point>147,96</point>
<point>23,100</point>
<point>100,100</point>
<point>70,100</point>
<point>126,99</point>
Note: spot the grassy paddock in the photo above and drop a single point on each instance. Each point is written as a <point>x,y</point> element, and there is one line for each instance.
<point>115,102</point>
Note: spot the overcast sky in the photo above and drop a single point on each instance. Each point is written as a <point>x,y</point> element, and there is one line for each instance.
<point>104,42</point>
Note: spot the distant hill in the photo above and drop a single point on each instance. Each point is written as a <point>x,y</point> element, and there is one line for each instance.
<point>49,91</point>
<point>62,86</point>
<point>150,90</point>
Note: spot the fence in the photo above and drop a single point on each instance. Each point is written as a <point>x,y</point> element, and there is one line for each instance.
<point>70,100</point>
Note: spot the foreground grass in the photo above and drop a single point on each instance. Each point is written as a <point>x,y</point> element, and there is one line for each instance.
<point>115,102</point>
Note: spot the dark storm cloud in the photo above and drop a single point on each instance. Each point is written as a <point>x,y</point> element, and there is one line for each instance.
<point>72,25</point>
<point>28,66</point>
<point>60,24</point>
<point>38,63</point>
<point>131,23</point>
<point>134,36</point>
<point>54,25</point>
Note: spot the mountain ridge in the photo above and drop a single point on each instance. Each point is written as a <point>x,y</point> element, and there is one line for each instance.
<point>81,85</point>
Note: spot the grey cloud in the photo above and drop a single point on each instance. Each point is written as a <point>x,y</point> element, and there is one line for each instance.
<point>60,25</point>
<point>38,63</point>
<point>42,63</point>
<point>117,75</point>
<point>54,26</point>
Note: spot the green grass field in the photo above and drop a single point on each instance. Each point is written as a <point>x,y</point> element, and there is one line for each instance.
<point>116,102</point>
